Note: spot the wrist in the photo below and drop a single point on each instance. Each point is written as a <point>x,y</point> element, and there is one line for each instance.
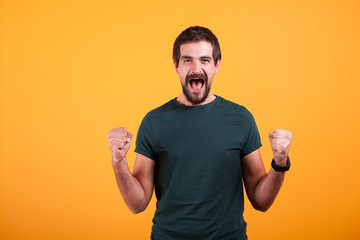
<point>280,168</point>
<point>119,163</point>
<point>280,161</point>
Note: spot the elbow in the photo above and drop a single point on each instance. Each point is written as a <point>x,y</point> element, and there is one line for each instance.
<point>137,205</point>
<point>261,204</point>
<point>262,208</point>
<point>137,209</point>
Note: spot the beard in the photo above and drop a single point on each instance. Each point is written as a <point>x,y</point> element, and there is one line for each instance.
<point>196,98</point>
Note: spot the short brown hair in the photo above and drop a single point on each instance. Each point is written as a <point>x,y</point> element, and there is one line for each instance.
<point>196,34</point>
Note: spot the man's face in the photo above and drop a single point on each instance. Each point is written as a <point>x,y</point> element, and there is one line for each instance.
<point>196,70</point>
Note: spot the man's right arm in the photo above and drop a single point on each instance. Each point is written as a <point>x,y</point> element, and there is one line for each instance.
<point>136,188</point>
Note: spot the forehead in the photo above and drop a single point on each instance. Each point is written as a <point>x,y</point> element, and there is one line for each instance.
<point>196,49</point>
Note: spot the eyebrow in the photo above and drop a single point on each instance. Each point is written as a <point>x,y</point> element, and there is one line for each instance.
<point>206,57</point>
<point>185,57</point>
<point>202,57</point>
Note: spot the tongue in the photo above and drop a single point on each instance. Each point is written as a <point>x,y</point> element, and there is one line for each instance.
<point>196,84</point>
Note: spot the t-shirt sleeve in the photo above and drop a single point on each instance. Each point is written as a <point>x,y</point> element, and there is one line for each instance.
<point>251,140</point>
<point>145,139</point>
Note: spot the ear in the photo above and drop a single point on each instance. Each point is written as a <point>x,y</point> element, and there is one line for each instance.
<point>217,65</point>
<point>175,65</point>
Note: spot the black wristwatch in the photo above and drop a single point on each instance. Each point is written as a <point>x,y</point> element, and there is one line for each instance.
<point>280,168</point>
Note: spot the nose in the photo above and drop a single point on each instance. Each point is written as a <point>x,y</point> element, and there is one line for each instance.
<point>196,67</point>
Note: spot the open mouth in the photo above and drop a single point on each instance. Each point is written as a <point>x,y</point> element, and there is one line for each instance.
<point>196,84</point>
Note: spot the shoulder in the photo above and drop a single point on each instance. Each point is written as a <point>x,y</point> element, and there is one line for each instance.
<point>163,109</point>
<point>233,107</point>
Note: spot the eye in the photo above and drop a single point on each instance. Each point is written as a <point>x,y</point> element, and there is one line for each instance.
<point>205,60</point>
<point>187,60</point>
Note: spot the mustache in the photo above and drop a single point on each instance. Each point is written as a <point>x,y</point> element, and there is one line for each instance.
<point>196,75</point>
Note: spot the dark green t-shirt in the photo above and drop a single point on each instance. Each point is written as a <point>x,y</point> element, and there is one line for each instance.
<point>198,174</point>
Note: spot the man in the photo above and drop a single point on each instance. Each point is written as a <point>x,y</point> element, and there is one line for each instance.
<point>196,150</point>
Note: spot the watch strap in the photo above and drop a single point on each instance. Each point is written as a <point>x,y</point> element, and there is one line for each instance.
<point>281,168</point>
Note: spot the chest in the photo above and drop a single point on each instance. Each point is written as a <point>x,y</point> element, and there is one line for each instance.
<point>199,139</point>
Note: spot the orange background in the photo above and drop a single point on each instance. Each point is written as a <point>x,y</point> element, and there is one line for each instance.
<point>72,70</point>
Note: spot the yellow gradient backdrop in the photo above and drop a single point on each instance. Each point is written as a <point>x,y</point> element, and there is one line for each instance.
<point>72,70</point>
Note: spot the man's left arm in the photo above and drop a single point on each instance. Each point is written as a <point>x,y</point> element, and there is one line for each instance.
<point>261,187</point>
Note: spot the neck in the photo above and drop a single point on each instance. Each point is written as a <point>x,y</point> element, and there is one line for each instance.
<point>183,101</point>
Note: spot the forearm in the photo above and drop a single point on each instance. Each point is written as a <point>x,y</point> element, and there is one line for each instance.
<point>130,188</point>
<point>267,189</point>
<point>261,187</point>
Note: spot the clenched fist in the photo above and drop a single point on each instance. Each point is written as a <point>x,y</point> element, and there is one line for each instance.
<point>280,141</point>
<point>119,142</point>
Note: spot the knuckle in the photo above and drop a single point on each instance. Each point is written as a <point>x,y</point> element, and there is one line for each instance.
<point>122,129</point>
